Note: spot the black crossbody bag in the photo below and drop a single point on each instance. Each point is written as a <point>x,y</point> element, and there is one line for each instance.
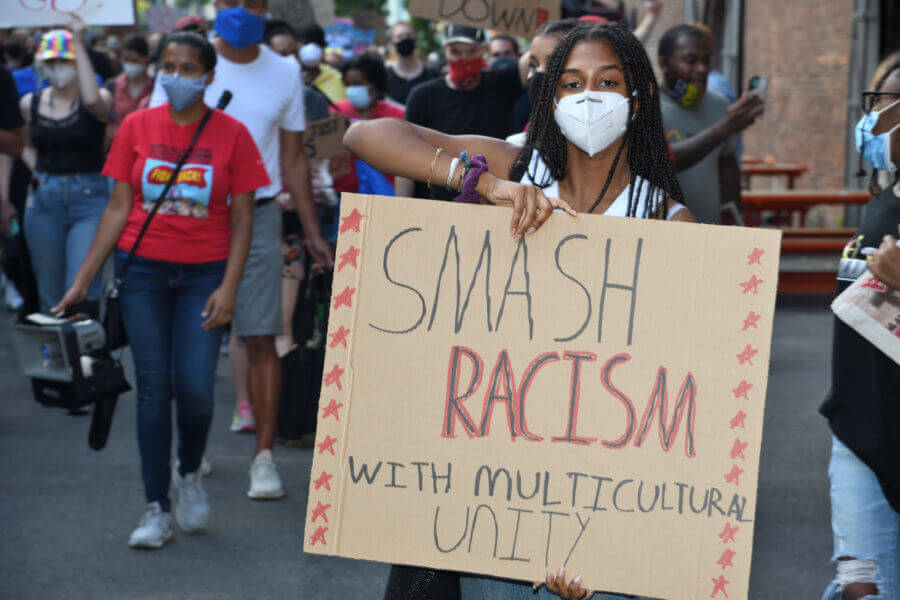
<point>112,317</point>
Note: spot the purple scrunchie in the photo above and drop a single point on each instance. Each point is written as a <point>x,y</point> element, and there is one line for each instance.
<point>476,167</point>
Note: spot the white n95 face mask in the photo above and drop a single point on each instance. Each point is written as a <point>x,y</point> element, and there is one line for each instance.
<point>593,120</point>
<point>310,55</point>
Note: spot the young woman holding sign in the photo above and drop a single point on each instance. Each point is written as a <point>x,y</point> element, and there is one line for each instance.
<point>595,145</point>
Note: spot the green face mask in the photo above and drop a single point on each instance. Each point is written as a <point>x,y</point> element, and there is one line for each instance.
<point>687,94</point>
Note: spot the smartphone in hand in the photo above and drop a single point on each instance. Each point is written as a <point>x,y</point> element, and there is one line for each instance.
<point>759,86</point>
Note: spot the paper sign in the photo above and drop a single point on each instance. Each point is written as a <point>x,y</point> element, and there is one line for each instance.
<point>590,397</point>
<point>514,17</point>
<point>41,13</point>
<point>160,17</point>
<point>325,137</point>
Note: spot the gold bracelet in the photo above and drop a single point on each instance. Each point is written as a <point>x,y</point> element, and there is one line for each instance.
<point>431,168</point>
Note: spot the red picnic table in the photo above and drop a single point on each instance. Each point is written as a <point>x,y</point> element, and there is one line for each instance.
<point>788,202</point>
<point>809,255</point>
<point>789,170</point>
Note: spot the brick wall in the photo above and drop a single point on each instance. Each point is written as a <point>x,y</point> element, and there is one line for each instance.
<point>804,46</point>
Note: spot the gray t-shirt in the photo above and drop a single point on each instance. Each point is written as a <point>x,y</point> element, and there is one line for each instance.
<point>699,184</point>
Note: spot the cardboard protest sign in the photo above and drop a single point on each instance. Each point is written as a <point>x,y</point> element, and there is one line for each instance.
<point>370,19</point>
<point>43,13</point>
<point>325,137</point>
<point>515,17</point>
<point>323,11</point>
<point>590,397</point>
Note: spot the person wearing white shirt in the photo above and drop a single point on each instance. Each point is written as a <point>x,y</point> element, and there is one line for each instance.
<point>268,99</point>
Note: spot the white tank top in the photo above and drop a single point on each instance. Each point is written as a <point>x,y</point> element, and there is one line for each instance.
<point>619,206</point>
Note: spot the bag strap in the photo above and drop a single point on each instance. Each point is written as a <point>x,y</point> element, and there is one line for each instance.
<point>162,197</point>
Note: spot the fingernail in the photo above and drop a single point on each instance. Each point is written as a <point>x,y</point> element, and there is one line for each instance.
<point>531,230</point>
<point>577,580</point>
<point>549,578</point>
<point>561,572</point>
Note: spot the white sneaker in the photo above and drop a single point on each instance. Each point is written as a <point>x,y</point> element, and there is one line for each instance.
<point>154,529</point>
<point>265,484</point>
<point>191,506</point>
<point>205,466</point>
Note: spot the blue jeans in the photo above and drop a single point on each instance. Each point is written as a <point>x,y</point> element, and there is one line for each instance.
<point>863,523</point>
<point>174,357</point>
<point>59,226</point>
<point>476,587</point>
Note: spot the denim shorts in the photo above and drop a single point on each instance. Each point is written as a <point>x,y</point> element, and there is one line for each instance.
<point>863,523</point>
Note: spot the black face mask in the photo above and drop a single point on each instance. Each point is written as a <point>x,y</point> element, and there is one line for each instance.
<point>406,46</point>
<point>534,87</point>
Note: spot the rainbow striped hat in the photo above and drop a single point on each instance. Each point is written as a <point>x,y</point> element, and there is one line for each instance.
<point>56,44</point>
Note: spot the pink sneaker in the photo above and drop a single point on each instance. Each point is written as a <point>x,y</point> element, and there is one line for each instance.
<point>242,421</point>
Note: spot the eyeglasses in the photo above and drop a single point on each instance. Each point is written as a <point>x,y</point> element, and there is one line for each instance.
<point>870,99</point>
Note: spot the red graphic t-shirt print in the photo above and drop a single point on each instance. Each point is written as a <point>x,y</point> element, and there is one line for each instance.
<point>189,196</point>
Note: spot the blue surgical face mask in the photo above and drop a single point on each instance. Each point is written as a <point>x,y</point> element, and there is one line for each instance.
<point>875,148</point>
<point>359,96</point>
<point>183,92</point>
<point>239,27</point>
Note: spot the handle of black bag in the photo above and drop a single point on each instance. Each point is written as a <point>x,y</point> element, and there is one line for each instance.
<point>223,102</point>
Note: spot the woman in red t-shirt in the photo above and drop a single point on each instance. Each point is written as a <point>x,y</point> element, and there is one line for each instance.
<point>180,289</point>
<point>365,78</point>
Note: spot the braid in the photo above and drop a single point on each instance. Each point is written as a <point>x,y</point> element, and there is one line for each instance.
<point>647,153</point>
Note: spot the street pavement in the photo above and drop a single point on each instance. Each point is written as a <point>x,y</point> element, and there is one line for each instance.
<point>66,511</point>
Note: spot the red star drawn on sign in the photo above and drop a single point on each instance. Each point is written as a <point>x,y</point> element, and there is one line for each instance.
<point>351,221</point>
<point>323,481</point>
<point>751,285</point>
<point>332,409</point>
<point>327,444</point>
<point>719,586</point>
<point>345,298</point>
<point>725,559</point>
<point>751,321</point>
<point>741,390</point>
<point>339,337</point>
<point>738,448</point>
<point>747,355</point>
<point>753,257</point>
<point>319,511</point>
<point>733,476</point>
<point>738,420</point>
<point>318,536</point>
<point>728,532</point>
<point>349,258</point>
<point>333,377</point>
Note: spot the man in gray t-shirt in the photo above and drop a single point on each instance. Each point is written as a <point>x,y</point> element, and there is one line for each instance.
<point>700,123</point>
<point>701,184</point>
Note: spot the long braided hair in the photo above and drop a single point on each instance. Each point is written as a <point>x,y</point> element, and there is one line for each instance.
<point>647,154</point>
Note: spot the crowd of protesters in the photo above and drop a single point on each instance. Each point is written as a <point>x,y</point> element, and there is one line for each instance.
<point>93,127</point>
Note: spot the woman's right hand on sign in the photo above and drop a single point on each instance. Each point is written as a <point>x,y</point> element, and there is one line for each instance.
<point>531,208</point>
<point>567,591</point>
